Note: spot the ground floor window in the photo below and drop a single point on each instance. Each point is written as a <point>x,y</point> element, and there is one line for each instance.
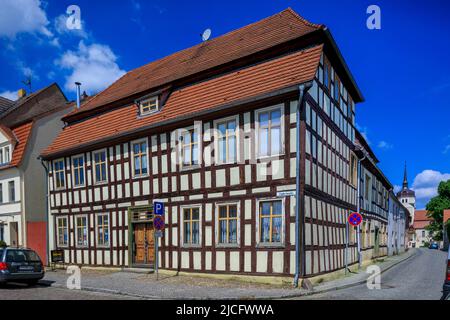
<point>62,231</point>
<point>82,231</point>
<point>191,225</point>
<point>103,229</point>
<point>228,223</point>
<point>270,222</point>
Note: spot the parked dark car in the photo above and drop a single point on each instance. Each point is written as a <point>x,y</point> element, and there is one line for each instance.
<point>434,245</point>
<point>446,289</point>
<point>20,265</point>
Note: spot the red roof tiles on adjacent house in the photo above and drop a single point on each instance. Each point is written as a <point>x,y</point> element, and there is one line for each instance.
<point>277,29</point>
<point>22,135</point>
<point>421,220</point>
<point>446,215</point>
<point>234,87</point>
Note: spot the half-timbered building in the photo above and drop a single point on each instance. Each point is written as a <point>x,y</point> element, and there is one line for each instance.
<point>211,132</point>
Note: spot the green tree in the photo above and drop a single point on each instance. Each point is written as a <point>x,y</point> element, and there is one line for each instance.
<point>436,208</point>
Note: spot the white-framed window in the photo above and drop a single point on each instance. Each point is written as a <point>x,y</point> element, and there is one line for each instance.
<point>100,161</point>
<point>271,221</point>
<point>190,147</point>
<point>148,106</point>
<point>140,157</point>
<point>62,231</point>
<point>226,140</point>
<point>1,192</point>
<point>7,155</point>
<point>192,220</point>
<point>12,191</point>
<point>353,170</point>
<point>78,170</point>
<point>270,131</point>
<point>81,234</point>
<point>227,224</point>
<point>59,173</point>
<point>103,230</point>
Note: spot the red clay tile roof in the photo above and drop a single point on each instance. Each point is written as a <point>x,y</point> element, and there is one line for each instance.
<point>234,87</point>
<point>421,220</point>
<point>22,134</point>
<point>446,215</point>
<point>269,32</point>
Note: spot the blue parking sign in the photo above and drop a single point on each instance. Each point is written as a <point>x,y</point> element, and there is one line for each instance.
<point>159,208</point>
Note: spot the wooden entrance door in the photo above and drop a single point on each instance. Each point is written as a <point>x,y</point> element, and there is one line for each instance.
<point>144,242</point>
<point>13,234</point>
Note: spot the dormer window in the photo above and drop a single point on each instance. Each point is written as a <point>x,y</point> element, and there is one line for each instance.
<point>5,155</point>
<point>148,106</point>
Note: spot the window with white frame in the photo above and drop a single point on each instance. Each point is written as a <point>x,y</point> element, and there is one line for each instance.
<point>271,221</point>
<point>149,105</point>
<point>270,132</point>
<point>103,229</point>
<point>227,223</point>
<point>78,170</point>
<point>226,135</point>
<point>81,231</point>
<point>140,159</point>
<point>12,191</point>
<point>1,192</point>
<point>353,170</point>
<point>62,230</point>
<point>190,148</point>
<point>100,166</point>
<point>191,226</point>
<point>58,172</point>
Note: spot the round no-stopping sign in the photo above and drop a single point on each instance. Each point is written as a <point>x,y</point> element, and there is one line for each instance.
<point>355,219</point>
<point>158,223</point>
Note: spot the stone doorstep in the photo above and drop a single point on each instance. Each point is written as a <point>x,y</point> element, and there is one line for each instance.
<point>358,279</point>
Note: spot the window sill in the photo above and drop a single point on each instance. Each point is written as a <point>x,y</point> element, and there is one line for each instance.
<point>227,246</point>
<point>191,246</point>
<point>190,168</point>
<point>141,176</point>
<point>270,245</point>
<point>100,183</point>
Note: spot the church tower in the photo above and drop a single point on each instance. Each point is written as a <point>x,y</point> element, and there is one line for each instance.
<point>407,197</point>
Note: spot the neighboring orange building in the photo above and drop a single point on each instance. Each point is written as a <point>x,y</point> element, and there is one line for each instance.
<point>421,220</point>
<point>446,236</point>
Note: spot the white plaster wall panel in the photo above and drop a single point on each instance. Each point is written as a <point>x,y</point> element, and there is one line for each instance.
<point>293,140</point>
<point>154,143</point>
<point>292,262</point>
<point>175,236</point>
<point>278,169</point>
<point>293,111</point>
<point>277,261</point>
<point>184,182</point>
<point>247,261</point>
<point>126,169</point>
<point>196,180</point>
<point>164,168</point>
<point>76,198</point>
<point>220,260</point>
<point>293,167</point>
<point>163,140</point>
<point>166,237</point>
<point>247,124</point>
<point>234,176</point>
<point>248,173</point>
<point>220,178</point>
<point>105,193</point>
<point>174,214</point>
<point>248,209</point>
<point>208,260</point>
<point>174,259</point>
<point>209,212</point>
<point>155,186</point>
<point>174,184</point>
<point>307,206</point>
<point>208,236</point>
<point>173,161</point>
<point>207,154</point>
<point>197,256</point>
<point>248,235</point>
<point>165,184</point>
<point>316,262</point>
<point>247,148</point>
<point>184,260</point>
<point>127,190</point>
<point>292,233</point>
<point>234,261</point>
<point>261,172</point>
<point>208,179</point>
<point>155,168</point>
<point>308,234</point>
<point>119,172</point>
<point>166,258</point>
<point>261,261</point>
<point>145,187</point>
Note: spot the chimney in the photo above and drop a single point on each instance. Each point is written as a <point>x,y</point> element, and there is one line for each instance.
<point>21,93</point>
<point>78,84</point>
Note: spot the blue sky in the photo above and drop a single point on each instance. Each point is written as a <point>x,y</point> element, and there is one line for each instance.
<point>402,69</point>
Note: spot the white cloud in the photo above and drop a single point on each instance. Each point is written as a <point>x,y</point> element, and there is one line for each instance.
<point>60,25</point>
<point>93,65</point>
<point>397,188</point>
<point>385,145</point>
<point>11,95</point>
<point>18,16</point>
<point>426,183</point>
<point>363,131</point>
<point>446,149</point>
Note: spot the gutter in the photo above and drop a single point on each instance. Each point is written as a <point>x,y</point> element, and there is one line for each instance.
<point>46,211</point>
<point>302,89</point>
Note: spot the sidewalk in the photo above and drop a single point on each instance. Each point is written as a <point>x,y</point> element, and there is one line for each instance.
<point>145,286</point>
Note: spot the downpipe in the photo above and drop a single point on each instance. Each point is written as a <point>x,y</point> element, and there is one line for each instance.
<point>46,211</point>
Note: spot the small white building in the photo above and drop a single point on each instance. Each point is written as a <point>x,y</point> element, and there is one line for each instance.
<point>397,226</point>
<point>421,235</point>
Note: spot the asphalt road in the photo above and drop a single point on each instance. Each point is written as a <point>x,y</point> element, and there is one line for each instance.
<point>12,291</point>
<point>418,278</point>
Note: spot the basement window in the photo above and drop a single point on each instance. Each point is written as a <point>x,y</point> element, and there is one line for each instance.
<point>148,106</point>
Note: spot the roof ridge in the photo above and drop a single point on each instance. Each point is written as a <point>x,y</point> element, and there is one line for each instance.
<point>297,15</point>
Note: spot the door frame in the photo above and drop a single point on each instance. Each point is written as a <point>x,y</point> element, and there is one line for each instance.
<point>137,215</point>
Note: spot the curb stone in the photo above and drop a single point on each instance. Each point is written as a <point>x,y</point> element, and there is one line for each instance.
<point>293,295</point>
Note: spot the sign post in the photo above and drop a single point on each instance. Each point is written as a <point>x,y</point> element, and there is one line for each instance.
<point>354,219</point>
<point>158,225</point>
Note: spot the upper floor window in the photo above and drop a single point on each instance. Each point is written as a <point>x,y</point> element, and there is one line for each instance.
<point>78,170</point>
<point>270,132</point>
<point>353,170</point>
<point>191,226</point>
<point>226,141</point>
<point>59,174</point>
<point>140,166</point>
<point>190,148</point>
<point>4,155</point>
<point>270,221</point>
<point>149,105</point>
<point>12,191</point>
<point>100,166</point>
<point>228,224</point>
<point>367,187</point>
<point>62,231</point>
